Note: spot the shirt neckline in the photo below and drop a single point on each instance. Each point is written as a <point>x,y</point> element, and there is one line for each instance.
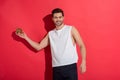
<point>60,29</point>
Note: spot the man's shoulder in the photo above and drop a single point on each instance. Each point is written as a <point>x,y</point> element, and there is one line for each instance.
<point>51,31</point>
<point>69,26</point>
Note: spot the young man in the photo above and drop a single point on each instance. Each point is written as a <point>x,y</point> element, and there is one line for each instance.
<point>62,41</point>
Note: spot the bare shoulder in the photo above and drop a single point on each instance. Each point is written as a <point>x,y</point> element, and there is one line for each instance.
<point>74,31</point>
<point>76,36</point>
<point>46,36</point>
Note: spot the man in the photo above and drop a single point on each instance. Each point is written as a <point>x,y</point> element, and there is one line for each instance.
<point>62,41</point>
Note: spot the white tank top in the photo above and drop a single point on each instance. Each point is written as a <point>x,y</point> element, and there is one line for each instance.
<point>62,49</point>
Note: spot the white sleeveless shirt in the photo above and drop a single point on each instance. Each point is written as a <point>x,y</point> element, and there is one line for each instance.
<point>62,49</point>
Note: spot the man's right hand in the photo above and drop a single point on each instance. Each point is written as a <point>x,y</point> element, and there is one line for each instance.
<point>21,34</point>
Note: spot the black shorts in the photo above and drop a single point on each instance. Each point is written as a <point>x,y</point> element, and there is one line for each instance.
<point>67,72</point>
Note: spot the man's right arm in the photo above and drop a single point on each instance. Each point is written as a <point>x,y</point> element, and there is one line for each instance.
<point>38,46</point>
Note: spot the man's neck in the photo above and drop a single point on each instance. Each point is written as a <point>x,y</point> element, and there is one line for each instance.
<point>59,27</point>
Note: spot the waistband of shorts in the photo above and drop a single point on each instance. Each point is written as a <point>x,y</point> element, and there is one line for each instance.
<point>73,64</point>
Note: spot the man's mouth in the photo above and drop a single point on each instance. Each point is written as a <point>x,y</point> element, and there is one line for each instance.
<point>58,21</point>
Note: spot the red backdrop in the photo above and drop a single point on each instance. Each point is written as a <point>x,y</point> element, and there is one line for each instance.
<point>98,22</point>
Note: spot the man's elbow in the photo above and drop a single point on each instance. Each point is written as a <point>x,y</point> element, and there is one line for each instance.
<point>82,46</point>
<point>38,48</point>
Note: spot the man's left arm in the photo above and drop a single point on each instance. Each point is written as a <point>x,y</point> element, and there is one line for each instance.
<point>76,36</point>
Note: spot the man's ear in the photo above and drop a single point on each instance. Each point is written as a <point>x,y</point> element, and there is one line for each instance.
<point>63,17</point>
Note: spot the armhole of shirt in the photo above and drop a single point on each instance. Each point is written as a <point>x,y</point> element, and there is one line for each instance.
<point>49,34</point>
<point>71,30</point>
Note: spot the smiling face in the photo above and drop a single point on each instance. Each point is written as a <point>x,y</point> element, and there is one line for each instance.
<point>58,19</point>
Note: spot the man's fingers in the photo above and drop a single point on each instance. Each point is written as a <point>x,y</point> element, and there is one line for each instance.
<point>82,69</point>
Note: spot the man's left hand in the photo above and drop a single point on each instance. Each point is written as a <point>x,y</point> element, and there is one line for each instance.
<point>83,67</point>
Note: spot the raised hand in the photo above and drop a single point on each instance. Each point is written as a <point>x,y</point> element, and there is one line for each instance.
<point>19,32</point>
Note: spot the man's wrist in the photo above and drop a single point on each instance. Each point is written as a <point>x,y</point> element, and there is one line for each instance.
<point>84,61</point>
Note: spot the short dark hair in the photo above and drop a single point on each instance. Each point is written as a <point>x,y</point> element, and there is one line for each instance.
<point>57,10</point>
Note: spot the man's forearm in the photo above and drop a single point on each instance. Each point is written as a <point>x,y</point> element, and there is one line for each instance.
<point>83,54</point>
<point>34,44</point>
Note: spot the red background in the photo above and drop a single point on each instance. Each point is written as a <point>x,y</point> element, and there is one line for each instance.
<point>98,22</point>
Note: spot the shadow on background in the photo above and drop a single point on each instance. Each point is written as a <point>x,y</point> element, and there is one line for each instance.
<point>2,2</point>
<point>49,25</point>
<point>15,37</point>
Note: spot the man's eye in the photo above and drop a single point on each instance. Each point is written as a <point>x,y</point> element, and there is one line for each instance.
<point>60,17</point>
